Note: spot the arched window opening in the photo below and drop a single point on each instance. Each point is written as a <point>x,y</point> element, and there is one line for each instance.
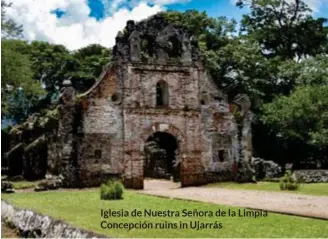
<point>162,94</point>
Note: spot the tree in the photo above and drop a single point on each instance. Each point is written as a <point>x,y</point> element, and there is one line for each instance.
<point>89,63</point>
<point>312,71</point>
<point>18,88</point>
<point>301,119</point>
<point>239,67</point>
<point>284,28</point>
<point>286,34</point>
<point>50,62</point>
<point>211,33</point>
<point>9,28</point>
<point>193,21</point>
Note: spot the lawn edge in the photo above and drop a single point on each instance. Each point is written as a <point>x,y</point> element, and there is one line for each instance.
<point>27,221</point>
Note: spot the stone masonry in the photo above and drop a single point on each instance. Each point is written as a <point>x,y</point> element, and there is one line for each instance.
<point>155,83</point>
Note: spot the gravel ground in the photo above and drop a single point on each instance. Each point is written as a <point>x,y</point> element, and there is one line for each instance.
<point>295,204</point>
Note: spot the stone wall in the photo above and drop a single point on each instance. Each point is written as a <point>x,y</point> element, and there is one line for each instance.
<point>192,170</point>
<point>140,86</point>
<point>35,159</point>
<point>312,176</point>
<point>53,153</point>
<point>35,225</point>
<point>100,149</point>
<point>96,160</point>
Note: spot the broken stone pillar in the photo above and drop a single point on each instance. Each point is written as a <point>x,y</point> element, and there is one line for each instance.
<point>246,132</point>
<point>245,172</point>
<point>66,131</point>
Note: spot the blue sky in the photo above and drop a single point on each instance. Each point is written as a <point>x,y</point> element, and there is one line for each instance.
<point>78,23</point>
<point>213,8</point>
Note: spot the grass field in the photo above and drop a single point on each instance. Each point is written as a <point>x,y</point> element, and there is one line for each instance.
<point>83,209</point>
<point>320,189</point>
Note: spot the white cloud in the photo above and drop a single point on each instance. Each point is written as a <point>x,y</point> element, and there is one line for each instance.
<point>75,28</point>
<point>111,6</point>
<point>315,5</point>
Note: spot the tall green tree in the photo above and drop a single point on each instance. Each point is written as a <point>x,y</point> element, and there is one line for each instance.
<point>89,62</point>
<point>284,28</point>
<point>18,89</point>
<point>301,120</point>
<point>211,33</point>
<point>296,121</point>
<point>51,63</point>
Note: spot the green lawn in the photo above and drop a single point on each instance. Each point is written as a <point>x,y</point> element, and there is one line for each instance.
<point>82,209</point>
<point>320,189</point>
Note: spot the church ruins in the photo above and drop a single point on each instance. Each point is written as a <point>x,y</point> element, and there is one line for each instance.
<point>154,112</point>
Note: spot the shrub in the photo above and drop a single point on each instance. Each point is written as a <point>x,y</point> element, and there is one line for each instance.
<point>111,190</point>
<point>288,182</point>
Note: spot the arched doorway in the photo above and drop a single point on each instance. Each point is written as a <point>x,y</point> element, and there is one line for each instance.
<point>160,156</point>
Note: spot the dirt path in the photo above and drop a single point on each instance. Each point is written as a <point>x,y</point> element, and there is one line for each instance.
<point>302,205</point>
<point>7,232</point>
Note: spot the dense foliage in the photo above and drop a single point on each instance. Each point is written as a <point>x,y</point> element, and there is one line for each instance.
<point>302,116</point>
<point>18,89</point>
<point>284,28</point>
<point>278,57</point>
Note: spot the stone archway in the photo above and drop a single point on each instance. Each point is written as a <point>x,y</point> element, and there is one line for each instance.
<point>134,153</point>
<point>160,151</point>
<point>177,144</point>
<point>164,127</point>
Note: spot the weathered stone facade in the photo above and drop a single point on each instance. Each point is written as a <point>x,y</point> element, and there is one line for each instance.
<point>156,83</point>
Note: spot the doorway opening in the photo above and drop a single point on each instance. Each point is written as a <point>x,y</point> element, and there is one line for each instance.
<point>161,160</point>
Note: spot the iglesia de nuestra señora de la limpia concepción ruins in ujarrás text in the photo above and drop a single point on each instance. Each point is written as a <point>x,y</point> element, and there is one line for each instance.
<point>153,112</point>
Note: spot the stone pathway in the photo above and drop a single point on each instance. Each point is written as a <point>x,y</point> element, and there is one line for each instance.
<point>287,203</point>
